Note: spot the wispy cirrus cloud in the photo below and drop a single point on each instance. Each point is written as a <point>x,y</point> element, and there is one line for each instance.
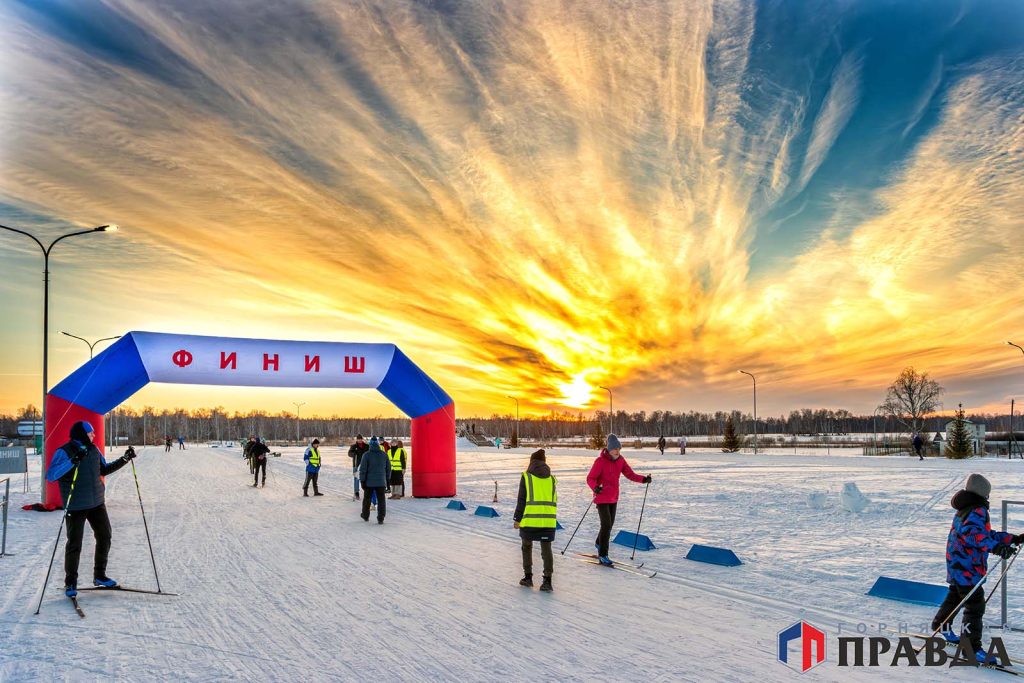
<point>530,197</point>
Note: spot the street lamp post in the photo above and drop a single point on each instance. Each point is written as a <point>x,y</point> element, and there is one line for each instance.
<point>92,346</point>
<point>517,418</point>
<point>611,411</point>
<point>46,321</point>
<point>297,419</point>
<point>755,407</point>
<point>1013,434</point>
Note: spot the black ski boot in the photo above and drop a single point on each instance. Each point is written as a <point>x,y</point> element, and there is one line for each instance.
<point>317,493</point>
<point>527,581</point>
<point>545,585</point>
<point>305,494</point>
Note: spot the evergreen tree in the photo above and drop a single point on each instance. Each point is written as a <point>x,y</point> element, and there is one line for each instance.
<point>959,444</point>
<point>730,441</point>
<point>597,436</point>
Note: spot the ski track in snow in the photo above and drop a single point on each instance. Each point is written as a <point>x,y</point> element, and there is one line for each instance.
<point>275,586</point>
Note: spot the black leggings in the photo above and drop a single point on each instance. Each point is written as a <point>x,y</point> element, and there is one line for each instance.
<point>100,523</point>
<point>260,464</point>
<point>606,511</point>
<point>974,610</point>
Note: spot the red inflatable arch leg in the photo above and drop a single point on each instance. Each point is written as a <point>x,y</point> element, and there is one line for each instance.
<point>433,454</point>
<point>60,416</point>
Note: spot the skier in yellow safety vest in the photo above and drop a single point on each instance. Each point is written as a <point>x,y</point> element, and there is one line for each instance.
<point>396,454</point>
<point>312,458</point>
<point>536,517</point>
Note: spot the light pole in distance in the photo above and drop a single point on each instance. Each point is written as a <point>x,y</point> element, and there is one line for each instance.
<point>755,407</point>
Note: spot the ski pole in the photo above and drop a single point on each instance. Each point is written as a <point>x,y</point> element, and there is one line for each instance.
<point>145,524</point>
<point>636,539</point>
<point>63,520</point>
<point>579,525</point>
<point>952,614</point>
<point>1002,574</point>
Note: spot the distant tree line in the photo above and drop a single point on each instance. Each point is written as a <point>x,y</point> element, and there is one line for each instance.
<point>216,424</point>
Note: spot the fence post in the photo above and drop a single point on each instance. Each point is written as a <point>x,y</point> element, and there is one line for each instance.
<point>1002,597</point>
<point>7,497</point>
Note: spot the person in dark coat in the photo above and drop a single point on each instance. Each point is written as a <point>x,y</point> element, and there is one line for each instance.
<point>355,451</point>
<point>77,467</point>
<point>536,517</point>
<point>661,444</point>
<point>374,474</point>
<point>259,453</point>
<point>918,445</point>
<point>968,545</point>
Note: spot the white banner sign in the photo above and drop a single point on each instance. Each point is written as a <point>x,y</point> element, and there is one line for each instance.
<point>189,359</point>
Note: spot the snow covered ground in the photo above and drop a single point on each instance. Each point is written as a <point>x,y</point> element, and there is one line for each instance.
<point>275,586</point>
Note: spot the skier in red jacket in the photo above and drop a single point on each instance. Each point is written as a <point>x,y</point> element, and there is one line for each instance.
<point>604,481</point>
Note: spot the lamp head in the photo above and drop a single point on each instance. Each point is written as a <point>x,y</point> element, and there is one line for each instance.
<point>110,227</point>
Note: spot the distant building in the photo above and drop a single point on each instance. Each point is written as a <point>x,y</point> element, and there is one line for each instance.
<point>976,433</point>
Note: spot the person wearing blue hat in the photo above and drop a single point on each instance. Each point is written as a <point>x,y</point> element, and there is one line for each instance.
<point>78,468</point>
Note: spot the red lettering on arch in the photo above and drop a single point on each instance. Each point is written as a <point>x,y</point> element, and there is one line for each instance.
<point>313,363</point>
<point>227,359</point>
<point>355,364</point>
<point>269,360</point>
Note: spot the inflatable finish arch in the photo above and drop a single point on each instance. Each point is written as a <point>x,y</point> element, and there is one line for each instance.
<point>138,358</point>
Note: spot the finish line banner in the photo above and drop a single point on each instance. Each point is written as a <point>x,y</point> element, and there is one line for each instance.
<point>189,359</point>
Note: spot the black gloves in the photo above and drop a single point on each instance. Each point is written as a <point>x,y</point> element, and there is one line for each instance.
<point>598,488</point>
<point>1004,551</point>
<point>1018,539</point>
<point>129,454</point>
<point>76,456</point>
<point>647,479</point>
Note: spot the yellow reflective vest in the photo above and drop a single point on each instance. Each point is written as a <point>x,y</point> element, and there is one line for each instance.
<point>541,502</point>
<point>314,456</point>
<point>395,454</point>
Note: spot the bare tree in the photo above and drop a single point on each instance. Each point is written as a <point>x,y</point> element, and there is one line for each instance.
<point>911,398</point>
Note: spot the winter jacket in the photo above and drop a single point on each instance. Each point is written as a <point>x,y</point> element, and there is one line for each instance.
<point>970,540</point>
<point>89,489</point>
<point>374,469</point>
<point>605,473</point>
<point>537,468</point>
<point>259,451</point>
<point>356,451</point>
<point>310,467</point>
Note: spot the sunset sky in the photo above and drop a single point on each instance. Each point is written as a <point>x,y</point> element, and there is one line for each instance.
<point>528,197</point>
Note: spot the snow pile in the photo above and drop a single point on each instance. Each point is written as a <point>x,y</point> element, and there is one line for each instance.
<point>852,499</point>
<point>817,500</point>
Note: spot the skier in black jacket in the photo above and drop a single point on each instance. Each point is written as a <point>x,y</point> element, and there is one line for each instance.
<point>259,453</point>
<point>77,467</point>
<point>355,452</point>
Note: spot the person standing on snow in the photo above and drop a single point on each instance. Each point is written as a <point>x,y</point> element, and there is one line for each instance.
<point>661,444</point>
<point>397,457</point>
<point>167,443</point>
<point>682,445</point>
<point>78,468</point>
<point>374,473</point>
<point>312,458</point>
<point>356,451</point>
<point>259,452</point>
<point>604,481</point>
<point>535,517</point>
<point>247,453</point>
<point>970,541</point>
<point>181,443</point>
<point>918,444</point>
